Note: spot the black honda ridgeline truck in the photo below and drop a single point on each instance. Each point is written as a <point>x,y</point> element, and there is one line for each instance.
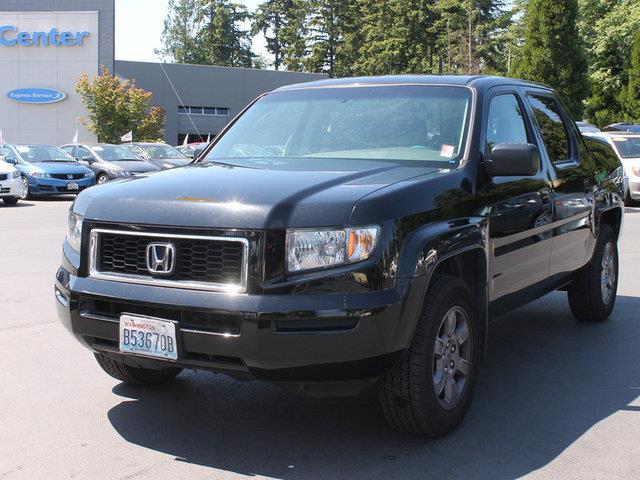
<point>345,233</point>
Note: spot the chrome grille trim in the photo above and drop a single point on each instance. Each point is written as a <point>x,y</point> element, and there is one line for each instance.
<point>94,251</point>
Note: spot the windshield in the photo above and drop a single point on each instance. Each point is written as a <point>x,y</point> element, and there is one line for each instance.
<point>161,152</point>
<point>43,153</point>
<point>628,147</point>
<point>406,123</point>
<point>115,153</point>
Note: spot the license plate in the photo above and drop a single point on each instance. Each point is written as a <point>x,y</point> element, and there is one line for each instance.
<point>72,186</point>
<point>151,337</point>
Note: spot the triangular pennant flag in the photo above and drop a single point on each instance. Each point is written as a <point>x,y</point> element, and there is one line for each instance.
<point>2,142</point>
<point>208,137</point>
<point>127,137</point>
<point>186,140</point>
<point>75,137</point>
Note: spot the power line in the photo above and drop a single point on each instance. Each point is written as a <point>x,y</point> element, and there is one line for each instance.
<point>180,100</point>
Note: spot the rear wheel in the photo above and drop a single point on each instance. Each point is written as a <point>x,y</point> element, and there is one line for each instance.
<point>134,375</point>
<point>102,178</point>
<point>11,200</point>
<point>429,391</point>
<point>592,295</point>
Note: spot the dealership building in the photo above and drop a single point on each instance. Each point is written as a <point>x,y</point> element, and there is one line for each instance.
<point>45,45</point>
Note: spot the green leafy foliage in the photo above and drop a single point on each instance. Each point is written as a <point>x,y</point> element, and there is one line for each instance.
<point>630,94</point>
<point>552,52</point>
<point>116,107</point>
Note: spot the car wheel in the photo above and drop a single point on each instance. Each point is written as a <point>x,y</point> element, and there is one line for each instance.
<point>592,295</point>
<point>26,194</point>
<point>134,375</point>
<point>628,201</point>
<point>428,392</point>
<point>11,200</point>
<point>102,178</point>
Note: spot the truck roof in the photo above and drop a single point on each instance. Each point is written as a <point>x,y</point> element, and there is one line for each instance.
<point>476,81</point>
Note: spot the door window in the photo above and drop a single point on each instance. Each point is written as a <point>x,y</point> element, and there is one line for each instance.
<point>552,129</point>
<point>82,153</point>
<point>505,123</point>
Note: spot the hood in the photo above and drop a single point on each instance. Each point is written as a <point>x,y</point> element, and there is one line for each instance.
<point>223,196</point>
<point>6,167</point>
<point>134,166</point>
<point>176,162</point>
<point>58,167</point>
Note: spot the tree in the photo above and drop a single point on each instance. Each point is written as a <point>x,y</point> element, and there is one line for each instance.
<point>630,95</point>
<point>221,38</point>
<point>608,27</point>
<point>269,18</point>
<point>116,107</point>
<point>327,23</point>
<point>553,52</point>
<point>180,33</point>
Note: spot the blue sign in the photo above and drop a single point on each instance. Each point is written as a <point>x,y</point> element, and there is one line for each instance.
<point>10,37</point>
<point>36,95</point>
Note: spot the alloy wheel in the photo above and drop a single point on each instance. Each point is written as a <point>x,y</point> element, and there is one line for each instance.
<point>608,273</point>
<point>25,188</point>
<point>451,357</point>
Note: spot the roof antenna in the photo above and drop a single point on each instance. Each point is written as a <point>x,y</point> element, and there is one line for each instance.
<point>180,100</point>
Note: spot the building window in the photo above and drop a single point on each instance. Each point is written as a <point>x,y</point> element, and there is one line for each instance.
<point>223,111</point>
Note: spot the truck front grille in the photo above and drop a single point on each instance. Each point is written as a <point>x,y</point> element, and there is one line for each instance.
<point>200,262</point>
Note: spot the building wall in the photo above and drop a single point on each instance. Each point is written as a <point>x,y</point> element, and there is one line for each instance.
<point>203,86</point>
<point>52,67</point>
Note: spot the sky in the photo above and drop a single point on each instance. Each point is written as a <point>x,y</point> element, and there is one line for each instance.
<point>139,28</point>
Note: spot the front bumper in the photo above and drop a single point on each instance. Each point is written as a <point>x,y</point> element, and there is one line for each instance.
<point>634,187</point>
<point>54,186</point>
<point>332,337</point>
<point>11,188</point>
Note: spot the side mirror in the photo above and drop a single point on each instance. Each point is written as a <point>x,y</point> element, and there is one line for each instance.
<point>89,160</point>
<point>513,159</point>
<point>10,160</point>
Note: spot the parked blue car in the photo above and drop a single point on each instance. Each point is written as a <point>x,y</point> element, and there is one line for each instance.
<point>47,170</point>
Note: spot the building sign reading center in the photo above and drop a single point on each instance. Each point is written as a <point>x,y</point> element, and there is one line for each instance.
<point>10,37</point>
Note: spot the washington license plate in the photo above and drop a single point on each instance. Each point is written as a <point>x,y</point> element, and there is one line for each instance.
<point>151,337</point>
<point>72,186</point>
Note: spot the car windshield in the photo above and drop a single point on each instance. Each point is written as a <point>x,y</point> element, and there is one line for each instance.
<point>43,153</point>
<point>412,124</point>
<point>628,147</point>
<point>115,153</point>
<point>161,152</point>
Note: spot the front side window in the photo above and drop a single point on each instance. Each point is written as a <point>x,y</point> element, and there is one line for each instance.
<point>115,153</point>
<point>552,129</point>
<point>505,123</point>
<point>412,124</point>
<point>161,152</point>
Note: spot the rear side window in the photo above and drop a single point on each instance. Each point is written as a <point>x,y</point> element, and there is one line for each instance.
<point>505,123</point>
<point>552,128</point>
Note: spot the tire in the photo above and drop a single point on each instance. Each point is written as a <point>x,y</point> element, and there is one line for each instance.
<point>410,398</point>
<point>102,178</point>
<point>586,294</point>
<point>26,195</point>
<point>628,201</point>
<point>11,200</point>
<point>134,375</point>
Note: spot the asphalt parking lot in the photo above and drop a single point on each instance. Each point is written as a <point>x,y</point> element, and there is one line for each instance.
<point>556,399</point>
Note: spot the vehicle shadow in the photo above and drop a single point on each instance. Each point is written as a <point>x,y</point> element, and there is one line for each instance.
<point>53,198</point>
<point>21,203</point>
<point>546,381</point>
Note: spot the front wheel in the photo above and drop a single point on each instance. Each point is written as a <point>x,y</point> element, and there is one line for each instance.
<point>430,390</point>
<point>592,295</point>
<point>26,194</point>
<point>137,376</point>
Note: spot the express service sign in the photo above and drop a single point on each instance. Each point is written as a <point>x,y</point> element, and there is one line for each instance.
<point>36,95</point>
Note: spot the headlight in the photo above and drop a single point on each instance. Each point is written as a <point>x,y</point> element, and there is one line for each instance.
<point>15,174</point>
<point>40,174</point>
<point>74,235</point>
<point>89,175</point>
<point>122,173</point>
<point>309,249</point>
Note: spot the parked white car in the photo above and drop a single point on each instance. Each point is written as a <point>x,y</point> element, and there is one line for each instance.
<point>627,147</point>
<point>10,183</point>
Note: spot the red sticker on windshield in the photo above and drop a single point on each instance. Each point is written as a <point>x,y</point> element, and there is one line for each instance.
<point>447,150</point>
